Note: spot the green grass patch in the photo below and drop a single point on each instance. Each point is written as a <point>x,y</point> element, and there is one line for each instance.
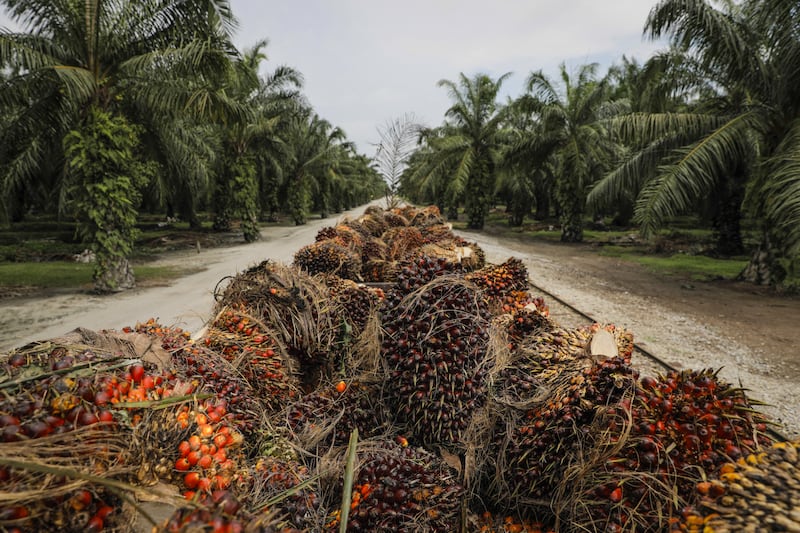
<point>696,267</point>
<point>69,275</point>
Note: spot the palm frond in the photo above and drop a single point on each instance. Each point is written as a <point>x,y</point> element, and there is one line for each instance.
<point>695,172</point>
<point>782,190</point>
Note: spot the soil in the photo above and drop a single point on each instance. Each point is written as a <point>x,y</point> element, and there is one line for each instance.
<point>747,332</point>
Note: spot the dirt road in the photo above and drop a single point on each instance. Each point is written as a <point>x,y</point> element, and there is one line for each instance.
<point>186,302</point>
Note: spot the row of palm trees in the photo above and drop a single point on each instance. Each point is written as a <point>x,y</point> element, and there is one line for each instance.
<point>206,130</point>
<point>711,125</point>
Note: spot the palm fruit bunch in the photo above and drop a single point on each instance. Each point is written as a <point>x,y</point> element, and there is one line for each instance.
<point>407,211</point>
<point>759,492</point>
<point>329,257</point>
<point>296,307</point>
<point>343,234</point>
<point>327,416</point>
<point>436,233</point>
<point>539,445</point>
<point>435,345</point>
<point>376,267</point>
<point>488,523</point>
<point>394,219</point>
<point>477,259</point>
<point>254,354</point>
<point>88,508</point>
<point>284,488</point>
<point>220,512</point>
<point>528,322</point>
<point>427,216</point>
<point>415,274</point>
<point>373,222</point>
<point>358,304</point>
<point>172,338</point>
<point>674,431</point>
<point>556,345</point>
<point>86,410</point>
<point>212,374</point>
<point>504,285</point>
<point>373,250</point>
<point>402,241</point>
<point>211,451</point>
<point>357,227</point>
<point>400,488</point>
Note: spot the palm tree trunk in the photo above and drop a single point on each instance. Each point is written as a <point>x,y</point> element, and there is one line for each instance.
<point>764,267</point>
<point>115,275</point>
<point>571,212</point>
<point>728,218</point>
<point>571,229</point>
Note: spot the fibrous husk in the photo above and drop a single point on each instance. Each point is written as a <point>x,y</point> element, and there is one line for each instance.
<point>296,305</point>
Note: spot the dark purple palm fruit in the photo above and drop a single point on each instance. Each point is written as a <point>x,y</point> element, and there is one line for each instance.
<point>436,332</point>
<point>400,488</point>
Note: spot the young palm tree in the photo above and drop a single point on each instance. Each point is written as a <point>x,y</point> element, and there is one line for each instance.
<point>568,133</point>
<point>745,138</point>
<point>467,152</point>
<point>248,143</point>
<point>315,148</point>
<point>148,61</point>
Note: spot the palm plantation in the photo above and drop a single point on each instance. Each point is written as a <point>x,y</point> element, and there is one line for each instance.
<point>567,133</point>
<point>708,127</point>
<point>462,157</point>
<point>265,100</point>
<point>80,64</point>
<point>738,144</point>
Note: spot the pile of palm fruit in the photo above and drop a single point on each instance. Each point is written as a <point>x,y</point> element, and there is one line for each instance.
<point>441,396</point>
<point>375,246</point>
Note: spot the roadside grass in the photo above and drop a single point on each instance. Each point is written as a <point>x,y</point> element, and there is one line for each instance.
<point>67,274</point>
<point>676,251</point>
<point>696,267</point>
<point>37,253</point>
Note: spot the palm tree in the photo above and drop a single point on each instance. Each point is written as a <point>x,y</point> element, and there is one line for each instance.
<point>569,135</point>
<point>315,148</point>
<point>464,153</point>
<point>744,139</point>
<point>266,99</point>
<point>148,62</point>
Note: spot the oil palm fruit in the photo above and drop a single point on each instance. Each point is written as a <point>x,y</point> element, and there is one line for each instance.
<point>759,492</point>
<point>329,257</point>
<point>400,488</point>
<point>326,416</point>
<point>435,345</point>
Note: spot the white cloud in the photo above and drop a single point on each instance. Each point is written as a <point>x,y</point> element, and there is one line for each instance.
<point>368,61</point>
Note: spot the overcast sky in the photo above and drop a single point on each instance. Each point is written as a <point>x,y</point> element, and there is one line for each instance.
<point>367,62</point>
